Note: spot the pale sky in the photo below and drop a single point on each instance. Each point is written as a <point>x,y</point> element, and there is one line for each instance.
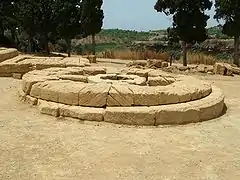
<point>137,15</point>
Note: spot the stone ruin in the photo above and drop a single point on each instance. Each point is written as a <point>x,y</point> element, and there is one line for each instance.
<point>70,87</point>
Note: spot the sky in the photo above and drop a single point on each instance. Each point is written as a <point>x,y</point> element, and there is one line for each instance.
<point>137,15</point>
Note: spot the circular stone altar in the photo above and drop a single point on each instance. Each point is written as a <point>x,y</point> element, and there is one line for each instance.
<point>143,97</point>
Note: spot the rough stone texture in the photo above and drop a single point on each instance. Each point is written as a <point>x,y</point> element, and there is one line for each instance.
<point>94,71</point>
<point>78,78</point>
<point>82,113</point>
<point>30,100</point>
<point>164,64</point>
<point>176,114</point>
<point>120,96</point>
<point>69,92</point>
<point>236,70</point>
<point>94,95</point>
<point>8,54</point>
<point>92,58</point>
<point>145,96</point>
<point>17,75</point>
<point>130,116</point>
<point>49,108</point>
<point>211,106</point>
<point>160,81</point>
<point>117,79</point>
<point>154,63</point>
<point>223,69</point>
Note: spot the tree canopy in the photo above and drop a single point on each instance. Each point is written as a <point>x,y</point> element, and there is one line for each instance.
<point>229,11</point>
<point>189,19</point>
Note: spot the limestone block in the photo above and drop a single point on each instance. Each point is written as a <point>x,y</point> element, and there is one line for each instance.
<point>8,54</point>
<point>69,92</point>
<point>142,116</point>
<point>49,108</point>
<point>236,70</point>
<point>164,64</point>
<point>139,63</point>
<point>17,75</point>
<point>92,59</point>
<point>223,69</point>
<point>145,96</point>
<point>93,70</point>
<point>176,114</point>
<point>82,113</point>
<point>160,81</point>
<point>30,100</point>
<point>154,63</point>
<point>211,106</point>
<point>120,95</point>
<point>143,72</point>
<point>94,95</point>
<point>78,78</point>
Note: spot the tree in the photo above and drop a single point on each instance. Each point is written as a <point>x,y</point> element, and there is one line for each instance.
<point>28,21</point>
<point>93,17</point>
<point>189,20</point>
<point>230,12</point>
<point>8,18</point>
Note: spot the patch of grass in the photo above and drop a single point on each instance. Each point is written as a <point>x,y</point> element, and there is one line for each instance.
<point>134,55</point>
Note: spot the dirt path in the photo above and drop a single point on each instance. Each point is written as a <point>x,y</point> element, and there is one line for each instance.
<point>34,146</point>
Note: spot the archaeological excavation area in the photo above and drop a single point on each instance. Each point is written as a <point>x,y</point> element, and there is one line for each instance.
<point>71,87</point>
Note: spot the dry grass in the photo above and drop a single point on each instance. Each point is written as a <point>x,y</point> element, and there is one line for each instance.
<point>200,58</point>
<point>134,55</point>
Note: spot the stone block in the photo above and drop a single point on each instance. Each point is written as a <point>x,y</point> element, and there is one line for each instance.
<point>142,116</point>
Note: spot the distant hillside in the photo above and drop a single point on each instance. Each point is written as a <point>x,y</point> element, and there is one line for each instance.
<point>113,39</point>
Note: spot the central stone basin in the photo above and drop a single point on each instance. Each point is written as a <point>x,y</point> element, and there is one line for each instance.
<point>117,78</point>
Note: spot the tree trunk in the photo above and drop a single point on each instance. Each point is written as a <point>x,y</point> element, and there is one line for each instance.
<point>93,45</point>
<point>68,47</point>
<point>30,45</point>
<point>236,50</point>
<point>13,33</point>
<point>46,43</point>
<point>1,28</point>
<point>184,51</point>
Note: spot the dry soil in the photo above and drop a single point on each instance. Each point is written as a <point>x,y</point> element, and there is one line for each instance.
<point>35,146</point>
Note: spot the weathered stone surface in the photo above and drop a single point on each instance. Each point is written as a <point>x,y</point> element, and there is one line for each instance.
<point>69,92</point>
<point>236,70</point>
<point>211,106</point>
<point>94,95</point>
<point>120,96</point>
<point>117,79</point>
<point>223,69</point>
<point>176,114</point>
<point>94,70</point>
<point>183,68</point>
<point>145,96</point>
<point>130,116</point>
<point>78,78</point>
<point>49,108</point>
<point>8,54</point>
<point>30,100</point>
<point>139,63</point>
<point>154,63</point>
<point>164,64</point>
<point>92,58</point>
<point>17,75</point>
<point>82,113</point>
<point>160,81</point>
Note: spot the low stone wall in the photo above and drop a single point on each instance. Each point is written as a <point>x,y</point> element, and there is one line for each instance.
<point>70,92</point>
<point>190,112</point>
<point>7,54</point>
<point>20,65</point>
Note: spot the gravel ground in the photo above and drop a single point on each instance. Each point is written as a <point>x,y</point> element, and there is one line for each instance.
<point>35,146</point>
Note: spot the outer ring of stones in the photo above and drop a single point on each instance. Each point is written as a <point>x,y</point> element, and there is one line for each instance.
<point>184,101</point>
<point>204,109</point>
